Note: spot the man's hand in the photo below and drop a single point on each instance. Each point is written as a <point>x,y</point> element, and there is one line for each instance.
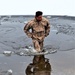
<point>30,35</point>
<point>46,35</point>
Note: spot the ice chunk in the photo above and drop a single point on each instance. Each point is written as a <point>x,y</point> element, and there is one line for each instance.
<point>7,53</point>
<point>10,72</point>
<point>21,53</point>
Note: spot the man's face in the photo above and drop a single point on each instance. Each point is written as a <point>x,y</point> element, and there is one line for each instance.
<point>39,18</point>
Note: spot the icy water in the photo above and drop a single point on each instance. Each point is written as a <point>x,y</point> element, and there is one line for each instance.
<point>61,38</point>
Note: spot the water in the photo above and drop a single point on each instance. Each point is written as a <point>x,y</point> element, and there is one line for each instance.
<point>61,38</point>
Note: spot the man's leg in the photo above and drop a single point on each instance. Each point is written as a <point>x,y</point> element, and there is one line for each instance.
<point>41,45</point>
<point>36,45</point>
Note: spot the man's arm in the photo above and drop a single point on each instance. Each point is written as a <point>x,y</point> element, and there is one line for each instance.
<point>26,30</point>
<point>47,29</point>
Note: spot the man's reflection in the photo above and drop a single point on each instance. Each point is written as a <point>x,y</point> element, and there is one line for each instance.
<point>39,66</point>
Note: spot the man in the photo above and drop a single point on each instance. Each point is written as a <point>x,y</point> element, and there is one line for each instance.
<point>40,29</point>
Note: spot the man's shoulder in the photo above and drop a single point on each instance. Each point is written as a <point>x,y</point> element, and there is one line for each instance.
<point>44,19</point>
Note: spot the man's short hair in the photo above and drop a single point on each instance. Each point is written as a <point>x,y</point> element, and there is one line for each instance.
<point>38,13</point>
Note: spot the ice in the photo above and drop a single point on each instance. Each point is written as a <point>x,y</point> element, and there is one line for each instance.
<point>7,53</point>
<point>10,72</point>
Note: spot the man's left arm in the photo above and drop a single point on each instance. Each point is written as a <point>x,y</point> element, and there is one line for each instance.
<point>47,29</point>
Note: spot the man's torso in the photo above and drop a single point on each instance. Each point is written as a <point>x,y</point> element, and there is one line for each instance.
<point>38,28</point>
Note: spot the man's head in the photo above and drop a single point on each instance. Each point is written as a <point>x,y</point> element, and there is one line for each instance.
<point>38,15</point>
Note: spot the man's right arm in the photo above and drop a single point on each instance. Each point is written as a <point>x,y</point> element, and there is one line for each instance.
<point>26,30</point>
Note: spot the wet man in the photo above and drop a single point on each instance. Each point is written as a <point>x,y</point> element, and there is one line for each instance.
<point>40,29</point>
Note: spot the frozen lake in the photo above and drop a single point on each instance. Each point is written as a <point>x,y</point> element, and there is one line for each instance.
<point>13,38</point>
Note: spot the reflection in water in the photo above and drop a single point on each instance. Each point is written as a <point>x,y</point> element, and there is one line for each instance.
<point>39,66</point>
